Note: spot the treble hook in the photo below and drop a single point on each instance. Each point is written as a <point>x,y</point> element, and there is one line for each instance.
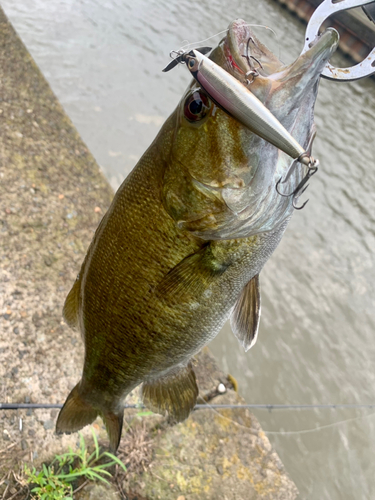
<point>253,71</point>
<point>312,168</point>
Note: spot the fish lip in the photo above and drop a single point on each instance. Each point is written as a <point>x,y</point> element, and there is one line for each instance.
<point>235,49</point>
<point>235,43</point>
<point>309,65</point>
<point>321,49</point>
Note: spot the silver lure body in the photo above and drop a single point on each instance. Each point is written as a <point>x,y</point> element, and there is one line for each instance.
<point>230,94</point>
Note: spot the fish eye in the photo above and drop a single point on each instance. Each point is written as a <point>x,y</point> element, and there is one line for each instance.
<point>196,106</point>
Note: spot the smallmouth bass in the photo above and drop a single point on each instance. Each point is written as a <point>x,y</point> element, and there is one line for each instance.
<point>184,240</point>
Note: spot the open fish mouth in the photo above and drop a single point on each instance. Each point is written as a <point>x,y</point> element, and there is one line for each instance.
<point>244,52</point>
<point>246,57</point>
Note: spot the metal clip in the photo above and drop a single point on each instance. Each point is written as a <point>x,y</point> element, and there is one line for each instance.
<point>326,9</point>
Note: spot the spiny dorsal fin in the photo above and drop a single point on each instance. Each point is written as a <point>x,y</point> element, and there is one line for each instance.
<point>192,276</point>
<point>245,316</point>
<point>174,394</point>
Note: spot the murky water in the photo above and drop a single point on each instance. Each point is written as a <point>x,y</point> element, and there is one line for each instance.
<point>316,344</point>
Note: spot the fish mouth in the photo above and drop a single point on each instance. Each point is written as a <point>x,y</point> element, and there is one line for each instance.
<point>311,63</point>
<point>245,54</point>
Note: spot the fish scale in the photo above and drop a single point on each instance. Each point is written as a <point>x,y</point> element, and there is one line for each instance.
<point>175,253</point>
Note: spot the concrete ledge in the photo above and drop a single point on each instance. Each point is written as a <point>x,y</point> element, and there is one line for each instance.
<point>52,197</point>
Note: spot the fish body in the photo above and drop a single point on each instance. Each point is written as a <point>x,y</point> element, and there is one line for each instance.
<point>184,240</point>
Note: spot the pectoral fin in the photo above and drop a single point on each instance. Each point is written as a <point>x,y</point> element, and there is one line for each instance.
<point>245,316</point>
<point>192,275</point>
<point>173,394</point>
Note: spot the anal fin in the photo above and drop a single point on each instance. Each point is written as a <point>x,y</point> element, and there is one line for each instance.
<point>245,316</point>
<point>174,394</point>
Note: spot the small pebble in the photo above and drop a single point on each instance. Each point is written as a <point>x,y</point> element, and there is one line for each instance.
<point>48,261</point>
<point>16,330</point>
<point>48,424</point>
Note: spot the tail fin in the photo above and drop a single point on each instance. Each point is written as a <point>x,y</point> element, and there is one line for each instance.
<point>113,424</point>
<point>76,413</point>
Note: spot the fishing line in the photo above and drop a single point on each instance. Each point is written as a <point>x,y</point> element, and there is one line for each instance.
<point>269,407</point>
<point>215,407</point>
<point>187,45</point>
<point>303,431</point>
<point>320,427</point>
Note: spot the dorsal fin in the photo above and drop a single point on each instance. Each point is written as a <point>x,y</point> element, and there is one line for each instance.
<point>71,306</point>
<point>245,316</point>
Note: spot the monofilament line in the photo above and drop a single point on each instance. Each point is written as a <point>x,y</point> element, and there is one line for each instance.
<point>270,407</point>
<point>186,46</point>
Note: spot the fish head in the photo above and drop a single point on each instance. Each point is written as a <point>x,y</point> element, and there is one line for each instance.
<point>221,177</point>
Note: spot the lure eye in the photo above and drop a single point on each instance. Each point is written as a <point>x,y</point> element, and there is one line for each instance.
<point>196,106</point>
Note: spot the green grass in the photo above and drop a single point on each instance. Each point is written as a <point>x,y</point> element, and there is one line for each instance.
<point>54,481</point>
